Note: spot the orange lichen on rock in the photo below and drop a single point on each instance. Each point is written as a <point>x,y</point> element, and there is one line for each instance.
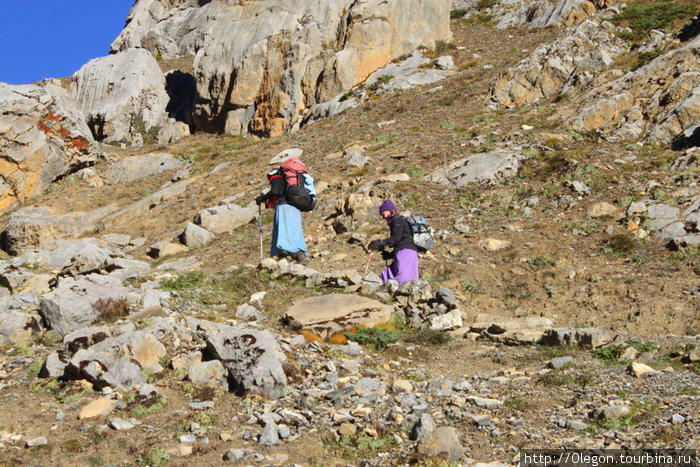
<point>311,337</point>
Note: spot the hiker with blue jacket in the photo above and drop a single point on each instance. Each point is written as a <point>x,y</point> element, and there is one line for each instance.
<point>404,268</point>
<point>287,231</point>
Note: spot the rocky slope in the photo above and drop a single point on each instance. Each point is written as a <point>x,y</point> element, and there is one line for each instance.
<point>559,307</point>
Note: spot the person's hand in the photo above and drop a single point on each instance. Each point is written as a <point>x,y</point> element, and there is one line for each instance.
<point>258,199</point>
<point>374,245</point>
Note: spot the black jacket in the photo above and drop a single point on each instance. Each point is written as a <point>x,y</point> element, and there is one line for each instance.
<point>274,196</point>
<point>401,235</point>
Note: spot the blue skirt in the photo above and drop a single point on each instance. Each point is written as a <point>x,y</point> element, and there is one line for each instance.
<point>287,232</point>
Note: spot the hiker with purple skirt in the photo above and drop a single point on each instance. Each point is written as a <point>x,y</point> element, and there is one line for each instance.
<point>404,268</point>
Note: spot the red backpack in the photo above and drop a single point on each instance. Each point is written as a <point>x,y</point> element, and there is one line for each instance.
<point>299,185</point>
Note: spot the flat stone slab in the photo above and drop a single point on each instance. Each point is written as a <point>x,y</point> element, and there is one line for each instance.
<point>327,315</point>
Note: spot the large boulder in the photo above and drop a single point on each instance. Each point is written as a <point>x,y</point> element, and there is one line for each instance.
<point>260,66</point>
<point>74,303</point>
<point>327,315</point>
<point>37,227</point>
<point>253,358</point>
<point>137,167</point>
<point>124,98</point>
<point>42,136</point>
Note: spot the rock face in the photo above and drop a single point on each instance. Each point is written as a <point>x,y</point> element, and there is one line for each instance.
<point>657,103</point>
<point>547,13</point>
<point>568,65</point>
<point>42,136</point>
<point>124,99</point>
<point>259,66</point>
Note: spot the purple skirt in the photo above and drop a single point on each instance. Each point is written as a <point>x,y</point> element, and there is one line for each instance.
<point>404,268</point>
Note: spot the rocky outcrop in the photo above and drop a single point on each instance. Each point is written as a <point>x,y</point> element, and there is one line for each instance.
<point>533,14</point>
<point>125,100</point>
<point>579,58</point>
<point>134,168</point>
<point>260,66</point>
<point>42,138</point>
<point>656,104</point>
<point>545,13</point>
<point>39,227</point>
<point>488,168</point>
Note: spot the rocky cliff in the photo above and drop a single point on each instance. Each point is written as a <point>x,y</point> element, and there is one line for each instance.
<point>260,66</point>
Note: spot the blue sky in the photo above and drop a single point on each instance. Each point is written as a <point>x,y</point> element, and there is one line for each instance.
<point>54,38</point>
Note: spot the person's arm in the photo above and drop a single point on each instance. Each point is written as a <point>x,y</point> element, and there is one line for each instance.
<point>276,189</point>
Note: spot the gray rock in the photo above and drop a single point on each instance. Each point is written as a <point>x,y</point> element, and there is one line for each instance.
<point>195,236</point>
<point>423,427</point>
<point>84,338</point>
<point>54,366</point>
<point>558,362</point>
<point>485,403</point>
<point>249,313</point>
<point>270,434</point>
<point>489,168</point>
<point>211,372</point>
<point>119,424</point>
<point>310,74</point>
<point>124,99</point>
<point>226,218</point>
<point>609,412</point>
<point>234,455</point>
<point>566,65</point>
<point>446,297</point>
<point>40,227</point>
<point>40,441</point>
<point>482,420</point>
<point>17,328</point>
<point>587,338</point>
<point>71,305</point>
<point>443,442</point>
<point>136,167</point>
<point>677,418</point>
<point>253,359</point>
<point>122,373</point>
<point>578,425</point>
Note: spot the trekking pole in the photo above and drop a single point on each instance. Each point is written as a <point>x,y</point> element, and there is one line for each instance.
<point>261,231</point>
<point>369,260</point>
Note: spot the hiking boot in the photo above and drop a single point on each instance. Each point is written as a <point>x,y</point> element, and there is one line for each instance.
<point>302,258</point>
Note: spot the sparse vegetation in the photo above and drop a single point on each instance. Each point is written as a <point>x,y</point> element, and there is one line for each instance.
<point>376,337</point>
<point>185,281</point>
<point>111,309</point>
<point>641,16</point>
<point>357,447</point>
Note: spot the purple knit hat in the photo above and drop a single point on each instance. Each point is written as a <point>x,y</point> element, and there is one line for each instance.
<point>387,206</point>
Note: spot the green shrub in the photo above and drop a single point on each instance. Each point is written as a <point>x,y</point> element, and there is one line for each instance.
<point>458,13</point>
<point>644,15</point>
<point>619,244</point>
<point>155,457</point>
<point>377,337</point>
<point>185,281</point>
